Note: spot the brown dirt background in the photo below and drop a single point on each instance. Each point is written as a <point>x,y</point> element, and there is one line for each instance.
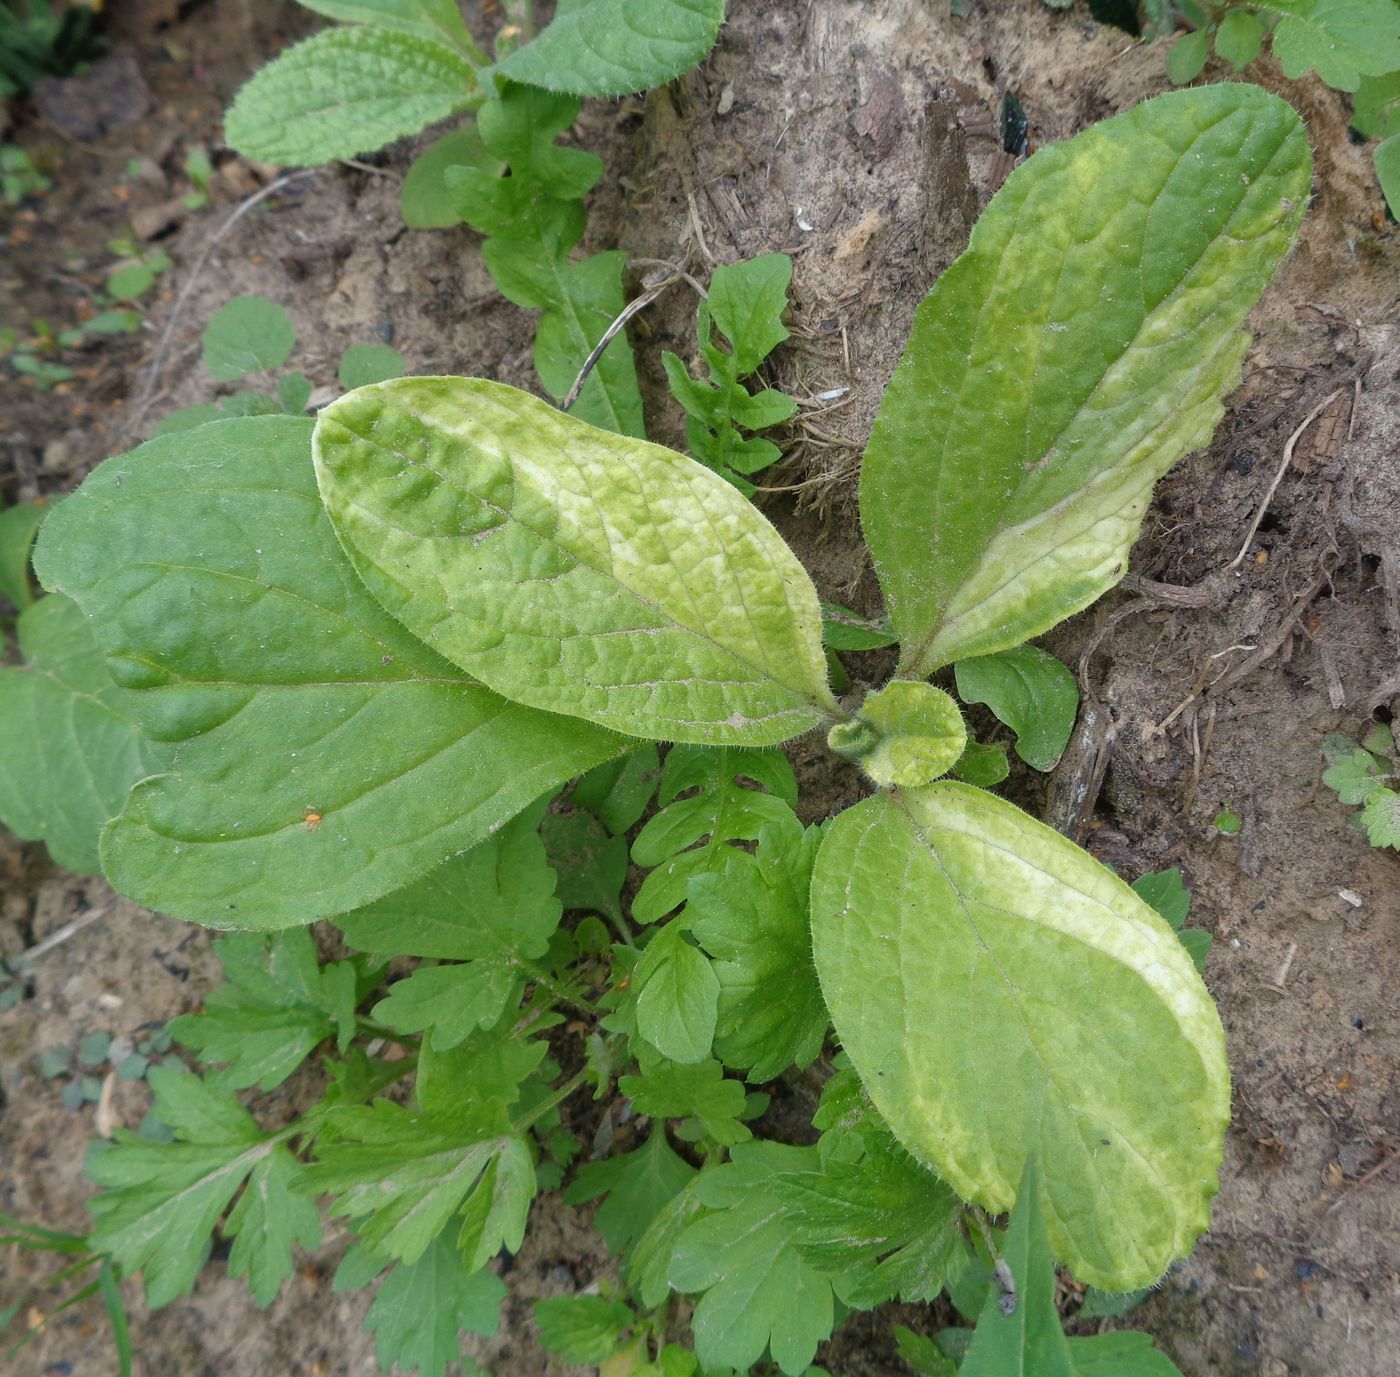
<point>862,138</point>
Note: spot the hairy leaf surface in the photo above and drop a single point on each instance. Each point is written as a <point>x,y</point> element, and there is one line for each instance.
<point>347,91</point>
<point>436,19</point>
<point>572,569</point>
<point>273,684</point>
<point>71,747</point>
<point>613,47</point>
<point>1077,350</point>
<point>1003,994</point>
<point>1342,40</point>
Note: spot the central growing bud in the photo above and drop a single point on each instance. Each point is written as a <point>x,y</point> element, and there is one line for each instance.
<point>906,735</point>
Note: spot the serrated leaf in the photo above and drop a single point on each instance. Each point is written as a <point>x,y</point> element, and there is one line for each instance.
<point>883,1220</point>
<point>1355,776</point>
<point>613,47</point>
<point>448,1003</point>
<point>421,1309</point>
<point>362,364</point>
<point>477,1083</point>
<point>402,1175</point>
<point>651,1257</point>
<point>688,835</point>
<point>677,997</point>
<point>435,19</point>
<point>18,527</point>
<point>427,202</point>
<point>72,747</point>
<point>271,683</point>
<point>582,1329</point>
<point>758,1292</point>
<point>1048,382</point>
<point>530,549</point>
<point>638,1185</point>
<point>951,931</point>
<point>673,1090</point>
<point>1029,690</point>
<point>162,1200</point>
<point>268,1218</point>
<point>247,335</point>
<point>751,916</point>
<point>1342,40</point>
<point>347,91</point>
<point>275,1005</point>
<point>1381,818</point>
<point>495,1211</point>
<point>1019,1327</point>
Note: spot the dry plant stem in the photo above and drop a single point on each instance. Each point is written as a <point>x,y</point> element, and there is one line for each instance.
<point>61,935</point>
<point>168,334</point>
<point>591,362</point>
<point>1287,459</point>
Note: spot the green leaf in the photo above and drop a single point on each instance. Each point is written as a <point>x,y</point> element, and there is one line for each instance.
<point>883,1221</point>
<point>294,392</point>
<point>638,1184</point>
<point>747,301</point>
<point>529,548</point>
<point>671,1090</point>
<point>1164,891</point>
<point>1342,40</point>
<point>688,835</point>
<point>275,1005</point>
<point>427,201</point>
<point>751,916</point>
<point>1029,690</point>
<point>1187,58</point>
<point>247,335</point>
<point>421,1309</point>
<point>590,864</point>
<point>435,19</point>
<point>72,747</point>
<point>130,281</point>
<point>1047,383</point>
<point>922,1354</point>
<point>982,765</point>
<point>268,1218</point>
<point>582,1329</point>
<point>758,1292</point>
<point>403,1175</point>
<point>1238,38</point>
<point>1376,106</point>
<point>1381,818</point>
<point>905,735</point>
<point>618,791</point>
<point>960,944</point>
<point>494,1214</point>
<point>843,630</point>
<point>613,47</point>
<point>18,527</point>
<point>1379,740</point>
<point>347,91</point>
<point>1019,1327</point>
<point>187,418</point>
<point>677,997</point>
<point>1125,1354</point>
<point>273,684</point>
<point>362,364</point>
<point>651,1257</point>
<point>162,1200</point>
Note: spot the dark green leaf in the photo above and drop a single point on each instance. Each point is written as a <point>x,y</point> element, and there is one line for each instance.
<point>363,364</point>
<point>247,335</point>
<point>591,865</point>
<point>582,1329</point>
<point>677,997</point>
<point>638,1185</point>
<point>426,200</point>
<point>670,1090</point>
<point>1029,690</point>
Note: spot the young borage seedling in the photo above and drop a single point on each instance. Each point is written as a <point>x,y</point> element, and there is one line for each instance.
<point>525,597</point>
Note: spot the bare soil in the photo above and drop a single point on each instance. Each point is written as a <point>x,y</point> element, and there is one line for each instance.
<point>862,137</point>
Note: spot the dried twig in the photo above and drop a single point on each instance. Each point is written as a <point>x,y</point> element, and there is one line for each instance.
<point>61,935</point>
<point>636,304</point>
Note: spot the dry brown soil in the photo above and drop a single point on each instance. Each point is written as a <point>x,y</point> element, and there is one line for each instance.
<point>861,137</point>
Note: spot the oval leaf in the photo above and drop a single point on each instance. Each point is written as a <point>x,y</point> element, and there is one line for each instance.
<point>613,47</point>
<point>274,686</point>
<point>71,748</point>
<point>1029,690</point>
<point>573,569</point>
<point>1077,350</point>
<point>347,91</point>
<point>1002,994</point>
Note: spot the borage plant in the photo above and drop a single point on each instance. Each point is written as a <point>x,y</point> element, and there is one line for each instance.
<point>362,653</point>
